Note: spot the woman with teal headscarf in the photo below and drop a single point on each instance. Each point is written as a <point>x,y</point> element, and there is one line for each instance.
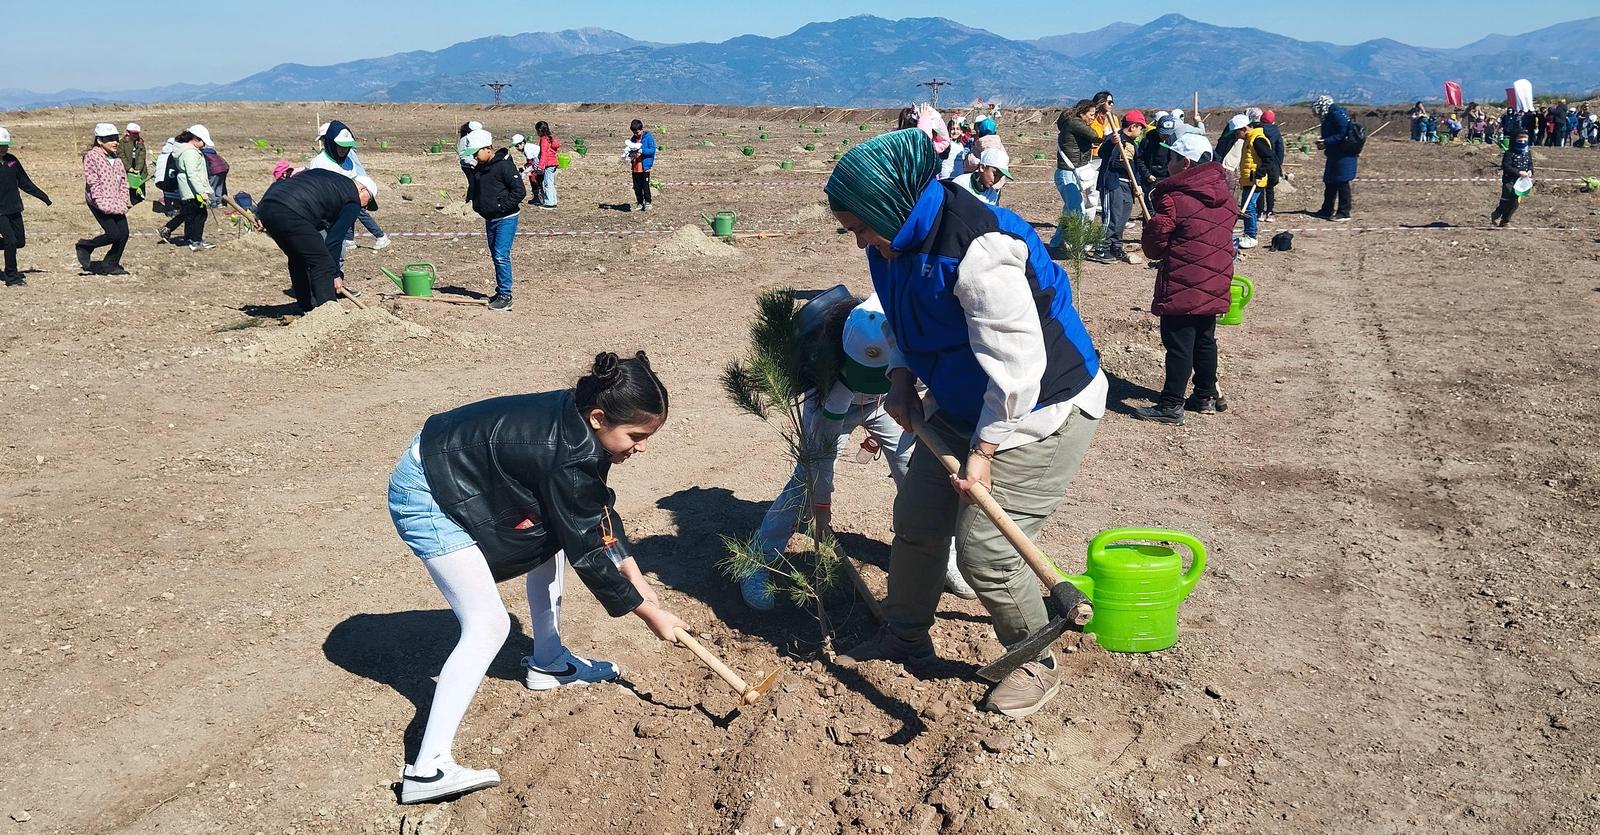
<point>982,317</point>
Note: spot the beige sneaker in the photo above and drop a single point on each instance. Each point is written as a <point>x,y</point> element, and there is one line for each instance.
<point>887,646</point>
<point>1026,689</point>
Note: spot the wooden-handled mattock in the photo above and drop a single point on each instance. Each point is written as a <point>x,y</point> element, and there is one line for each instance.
<point>749,695</point>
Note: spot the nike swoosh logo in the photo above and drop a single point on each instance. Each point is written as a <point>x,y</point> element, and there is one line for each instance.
<point>571,668</point>
<point>437,776</point>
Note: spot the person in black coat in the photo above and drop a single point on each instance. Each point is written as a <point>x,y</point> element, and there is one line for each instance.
<point>496,193</point>
<point>308,216</point>
<point>14,181</point>
<point>1154,154</point>
<point>1269,200</point>
<point>1515,163</point>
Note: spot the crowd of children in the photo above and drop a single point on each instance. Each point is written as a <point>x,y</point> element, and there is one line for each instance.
<point>1555,125</point>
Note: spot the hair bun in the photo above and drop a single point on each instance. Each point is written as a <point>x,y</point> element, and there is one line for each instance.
<point>607,369</point>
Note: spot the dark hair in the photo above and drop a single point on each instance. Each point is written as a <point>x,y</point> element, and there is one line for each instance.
<point>542,128</point>
<point>184,137</point>
<point>628,391</point>
<point>1102,96</point>
<point>636,125</point>
<point>1083,106</point>
<point>908,118</point>
<point>466,128</point>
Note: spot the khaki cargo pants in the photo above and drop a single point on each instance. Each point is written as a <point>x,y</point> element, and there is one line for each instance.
<point>1029,482</point>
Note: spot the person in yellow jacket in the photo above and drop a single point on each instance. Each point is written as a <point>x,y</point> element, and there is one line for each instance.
<point>1256,163</point>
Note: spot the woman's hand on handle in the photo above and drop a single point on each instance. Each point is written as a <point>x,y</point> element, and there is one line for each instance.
<point>660,621</point>
<point>902,397</point>
<point>630,570</point>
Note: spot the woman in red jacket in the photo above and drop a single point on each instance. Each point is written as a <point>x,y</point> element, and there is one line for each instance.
<point>1191,234</point>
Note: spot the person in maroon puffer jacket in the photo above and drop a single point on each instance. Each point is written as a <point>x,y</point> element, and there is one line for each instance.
<point>1191,234</point>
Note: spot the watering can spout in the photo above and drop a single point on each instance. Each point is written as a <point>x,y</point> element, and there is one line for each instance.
<point>708,219</point>
<point>392,277</point>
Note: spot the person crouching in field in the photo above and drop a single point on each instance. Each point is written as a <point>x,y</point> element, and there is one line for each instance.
<point>511,487</point>
<point>307,215</point>
<point>1190,232</point>
<point>496,193</point>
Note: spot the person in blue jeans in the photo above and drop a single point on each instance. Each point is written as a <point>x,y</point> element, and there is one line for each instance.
<point>496,193</point>
<point>1075,144</point>
<point>515,487</point>
<point>830,413</point>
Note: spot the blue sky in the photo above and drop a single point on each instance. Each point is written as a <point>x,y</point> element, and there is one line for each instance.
<point>54,45</point>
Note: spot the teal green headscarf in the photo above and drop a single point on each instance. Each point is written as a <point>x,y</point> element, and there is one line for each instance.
<point>880,180</point>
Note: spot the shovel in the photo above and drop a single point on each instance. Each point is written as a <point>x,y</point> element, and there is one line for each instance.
<point>1073,609</point>
<point>747,694</point>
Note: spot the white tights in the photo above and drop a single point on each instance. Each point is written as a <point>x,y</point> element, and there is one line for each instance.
<point>463,576</point>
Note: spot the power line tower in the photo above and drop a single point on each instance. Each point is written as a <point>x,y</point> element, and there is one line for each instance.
<point>933,85</point>
<point>497,86</point>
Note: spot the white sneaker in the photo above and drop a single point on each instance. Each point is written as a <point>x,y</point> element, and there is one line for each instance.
<point>568,669</point>
<point>955,583</point>
<point>380,243</point>
<point>349,246</point>
<point>1247,243</point>
<point>443,778</point>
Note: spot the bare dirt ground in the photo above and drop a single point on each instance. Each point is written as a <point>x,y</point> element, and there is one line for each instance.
<point>211,627</point>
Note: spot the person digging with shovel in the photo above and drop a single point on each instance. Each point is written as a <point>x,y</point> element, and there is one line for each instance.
<point>307,216</point>
<point>512,487</point>
<point>981,316</point>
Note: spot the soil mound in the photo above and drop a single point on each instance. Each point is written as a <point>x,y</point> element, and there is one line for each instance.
<point>691,243</point>
<point>332,329</point>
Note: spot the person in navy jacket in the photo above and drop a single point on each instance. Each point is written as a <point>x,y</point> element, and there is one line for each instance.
<point>1340,167</point>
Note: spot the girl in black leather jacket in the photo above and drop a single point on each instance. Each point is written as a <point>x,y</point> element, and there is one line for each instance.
<point>516,486</point>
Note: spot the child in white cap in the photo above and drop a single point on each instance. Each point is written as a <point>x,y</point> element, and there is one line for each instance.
<point>13,181</point>
<point>105,187</point>
<point>831,412</point>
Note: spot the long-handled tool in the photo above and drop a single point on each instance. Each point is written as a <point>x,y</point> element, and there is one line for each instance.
<point>1244,210</point>
<point>346,294</point>
<point>1127,165</point>
<point>874,608</point>
<point>747,694</point>
<point>1074,609</point>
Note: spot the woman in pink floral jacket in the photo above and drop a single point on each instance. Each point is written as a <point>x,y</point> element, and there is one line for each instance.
<point>105,186</point>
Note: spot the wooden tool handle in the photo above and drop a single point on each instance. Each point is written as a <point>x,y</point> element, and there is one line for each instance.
<point>358,304</point>
<point>1035,558</point>
<point>874,608</point>
<point>723,670</point>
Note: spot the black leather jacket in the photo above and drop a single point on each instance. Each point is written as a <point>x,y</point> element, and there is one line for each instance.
<point>494,463</point>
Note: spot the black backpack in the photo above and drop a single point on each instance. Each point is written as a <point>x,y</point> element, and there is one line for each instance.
<point>1355,138</point>
<point>169,174</point>
<point>1283,242</point>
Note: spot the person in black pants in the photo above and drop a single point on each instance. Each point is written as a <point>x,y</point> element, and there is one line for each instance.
<point>641,156</point>
<point>13,181</point>
<point>106,192</point>
<point>309,214</point>
<point>1515,163</point>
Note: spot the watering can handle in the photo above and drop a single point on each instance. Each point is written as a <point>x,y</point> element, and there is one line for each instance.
<point>1197,550</point>
<point>392,277</point>
<point>1249,289</point>
<point>429,264</point>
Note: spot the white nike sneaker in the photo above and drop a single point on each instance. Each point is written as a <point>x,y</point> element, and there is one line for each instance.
<point>443,778</point>
<point>568,669</point>
<point>349,246</point>
<point>1247,242</point>
<point>380,243</point>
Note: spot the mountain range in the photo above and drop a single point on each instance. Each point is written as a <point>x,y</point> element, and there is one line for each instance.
<point>870,61</point>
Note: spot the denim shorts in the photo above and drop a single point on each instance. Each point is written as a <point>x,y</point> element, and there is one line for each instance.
<point>418,519</point>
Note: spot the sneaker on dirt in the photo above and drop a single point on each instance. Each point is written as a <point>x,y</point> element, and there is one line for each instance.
<point>757,592</point>
<point>196,246</point>
<point>500,303</point>
<point>1028,688</point>
<point>84,255</point>
<point>887,646</point>
<point>1248,242</point>
<point>1160,414</point>
<point>16,280</point>
<point>955,583</point>
<point>380,243</point>
<point>443,778</point>
<point>1205,405</point>
<point>567,669</point>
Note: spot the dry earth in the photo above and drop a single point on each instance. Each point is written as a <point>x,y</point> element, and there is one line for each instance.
<point>212,628</point>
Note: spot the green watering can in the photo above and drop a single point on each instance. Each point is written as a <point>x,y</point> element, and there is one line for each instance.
<point>1241,291</point>
<point>748,151</point>
<point>563,160</point>
<point>810,147</point>
<point>405,179</point>
<point>416,279</point>
<point>135,181</point>
<point>722,224</point>
<point>787,165</point>
<point>435,148</point>
<point>763,134</point>
<point>1136,589</point>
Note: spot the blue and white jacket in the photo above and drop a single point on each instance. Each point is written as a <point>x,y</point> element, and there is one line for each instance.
<point>983,317</point>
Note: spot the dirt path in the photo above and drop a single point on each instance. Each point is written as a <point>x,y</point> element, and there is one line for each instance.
<point>213,629</point>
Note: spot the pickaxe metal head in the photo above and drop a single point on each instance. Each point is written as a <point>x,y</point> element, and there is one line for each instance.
<point>754,694</point>
<point>1076,612</point>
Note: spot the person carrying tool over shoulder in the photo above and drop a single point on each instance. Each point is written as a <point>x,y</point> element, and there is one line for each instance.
<point>516,487</point>
<point>856,329</point>
<point>1013,381</point>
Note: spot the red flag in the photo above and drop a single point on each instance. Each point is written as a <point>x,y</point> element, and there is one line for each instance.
<point>1511,97</point>
<point>1452,94</point>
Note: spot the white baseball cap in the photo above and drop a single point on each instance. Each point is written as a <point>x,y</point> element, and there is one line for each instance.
<point>106,130</point>
<point>201,132</point>
<point>5,137</point>
<point>322,129</point>
<point>1191,146</point>
<point>1239,121</point>
<point>472,126</point>
<point>518,139</point>
<point>866,347</point>
<point>998,159</point>
<point>133,127</point>
<point>475,141</point>
<point>345,139</point>
<point>372,191</point>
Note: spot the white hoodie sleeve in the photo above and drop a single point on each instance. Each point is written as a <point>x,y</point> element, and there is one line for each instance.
<point>1004,330</point>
